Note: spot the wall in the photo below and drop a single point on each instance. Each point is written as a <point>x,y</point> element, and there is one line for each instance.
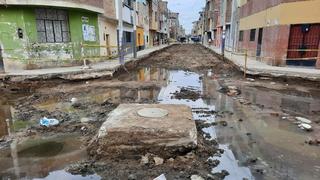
<point>110,9</point>
<point>107,26</point>
<point>27,53</point>
<point>282,14</point>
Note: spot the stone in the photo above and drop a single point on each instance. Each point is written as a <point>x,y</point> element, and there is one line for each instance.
<point>144,159</point>
<point>196,177</point>
<point>303,120</point>
<point>158,161</point>
<point>132,177</point>
<point>126,132</point>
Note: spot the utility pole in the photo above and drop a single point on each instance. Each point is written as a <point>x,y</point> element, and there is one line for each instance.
<point>224,10</point>
<point>120,31</point>
<point>134,29</point>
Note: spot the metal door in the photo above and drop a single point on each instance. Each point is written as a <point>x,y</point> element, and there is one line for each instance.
<point>1,61</point>
<point>303,42</point>
<point>259,44</point>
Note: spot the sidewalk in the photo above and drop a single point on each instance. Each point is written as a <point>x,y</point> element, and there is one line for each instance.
<point>255,67</point>
<point>101,69</point>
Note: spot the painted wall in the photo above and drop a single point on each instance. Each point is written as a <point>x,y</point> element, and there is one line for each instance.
<point>108,27</point>
<point>26,52</point>
<point>140,33</point>
<point>284,14</point>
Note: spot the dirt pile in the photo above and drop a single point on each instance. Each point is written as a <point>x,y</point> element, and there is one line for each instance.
<point>193,57</point>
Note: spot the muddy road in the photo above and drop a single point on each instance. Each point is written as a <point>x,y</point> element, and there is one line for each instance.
<point>247,128</point>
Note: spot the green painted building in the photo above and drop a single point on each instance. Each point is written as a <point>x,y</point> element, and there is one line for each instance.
<point>42,34</point>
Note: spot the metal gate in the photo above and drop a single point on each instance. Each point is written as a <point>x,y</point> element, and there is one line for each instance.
<point>303,44</point>
<point>1,61</point>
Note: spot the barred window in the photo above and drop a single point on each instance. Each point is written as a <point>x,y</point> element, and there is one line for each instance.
<point>52,26</point>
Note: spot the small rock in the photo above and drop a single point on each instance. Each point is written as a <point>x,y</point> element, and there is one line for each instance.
<point>132,177</point>
<point>303,120</point>
<point>158,161</point>
<point>171,160</point>
<point>196,177</point>
<point>144,159</point>
<point>74,100</point>
<point>275,114</point>
<point>240,120</point>
<point>313,141</point>
<point>85,120</point>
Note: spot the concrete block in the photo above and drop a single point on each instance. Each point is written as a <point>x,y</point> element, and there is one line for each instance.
<point>164,132</point>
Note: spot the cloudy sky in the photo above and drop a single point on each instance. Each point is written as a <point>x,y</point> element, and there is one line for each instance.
<point>188,9</point>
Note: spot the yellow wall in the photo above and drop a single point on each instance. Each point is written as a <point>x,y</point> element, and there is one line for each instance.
<point>140,31</point>
<point>300,12</point>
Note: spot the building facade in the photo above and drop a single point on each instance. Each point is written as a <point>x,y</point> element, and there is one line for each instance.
<point>39,34</point>
<point>273,29</point>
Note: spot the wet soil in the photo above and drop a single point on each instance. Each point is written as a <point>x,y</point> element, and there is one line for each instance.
<point>248,133</point>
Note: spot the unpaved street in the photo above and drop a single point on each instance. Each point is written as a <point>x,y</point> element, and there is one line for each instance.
<point>247,128</point>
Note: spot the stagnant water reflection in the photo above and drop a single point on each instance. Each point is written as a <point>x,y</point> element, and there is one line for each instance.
<point>278,145</point>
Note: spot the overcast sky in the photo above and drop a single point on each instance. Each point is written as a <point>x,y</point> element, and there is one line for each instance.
<point>188,9</point>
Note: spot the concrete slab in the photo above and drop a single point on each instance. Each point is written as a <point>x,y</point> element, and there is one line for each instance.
<point>171,130</point>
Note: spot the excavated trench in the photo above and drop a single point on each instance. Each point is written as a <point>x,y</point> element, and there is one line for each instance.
<point>246,128</point>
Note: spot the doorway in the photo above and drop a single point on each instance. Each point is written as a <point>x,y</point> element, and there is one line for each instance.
<point>304,41</point>
<point>1,61</point>
<point>108,45</point>
<point>259,44</point>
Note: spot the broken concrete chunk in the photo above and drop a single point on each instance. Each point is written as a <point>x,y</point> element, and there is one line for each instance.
<point>196,177</point>
<point>303,120</point>
<point>158,161</point>
<point>144,159</point>
<point>125,131</point>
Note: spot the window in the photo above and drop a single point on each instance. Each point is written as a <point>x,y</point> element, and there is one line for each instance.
<point>252,34</point>
<point>241,36</point>
<point>128,37</point>
<point>52,26</point>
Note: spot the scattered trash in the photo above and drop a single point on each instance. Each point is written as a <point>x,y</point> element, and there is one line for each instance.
<point>251,80</point>
<point>303,120</point>
<point>161,177</point>
<point>265,78</point>
<point>48,122</point>
<point>304,126</point>
<point>230,90</point>
<point>196,177</point>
